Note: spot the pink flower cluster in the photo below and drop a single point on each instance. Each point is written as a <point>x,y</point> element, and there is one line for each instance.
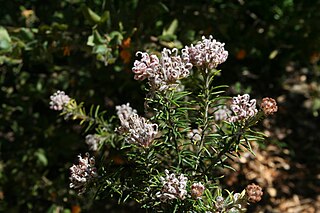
<point>147,67</point>
<point>243,108</point>
<point>173,187</point>
<point>206,54</point>
<point>59,100</point>
<point>138,130</point>
<point>164,72</point>
<point>82,173</point>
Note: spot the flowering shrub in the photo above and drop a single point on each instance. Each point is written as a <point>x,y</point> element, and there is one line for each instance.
<point>171,156</point>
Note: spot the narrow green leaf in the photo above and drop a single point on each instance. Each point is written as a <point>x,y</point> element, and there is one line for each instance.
<point>97,111</point>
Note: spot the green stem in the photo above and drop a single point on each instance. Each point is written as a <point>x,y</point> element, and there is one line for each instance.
<point>172,126</point>
<point>206,91</point>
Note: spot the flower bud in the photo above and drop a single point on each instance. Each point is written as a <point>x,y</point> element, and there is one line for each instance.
<point>197,190</point>
<point>254,193</point>
<point>269,106</point>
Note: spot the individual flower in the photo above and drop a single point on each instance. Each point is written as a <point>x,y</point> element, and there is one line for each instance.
<point>197,190</point>
<point>59,100</point>
<point>195,135</point>
<point>254,193</point>
<point>164,72</point>
<point>138,130</point>
<point>269,106</point>
<point>206,54</point>
<point>173,187</point>
<point>82,173</point>
<point>243,108</point>
<point>93,142</point>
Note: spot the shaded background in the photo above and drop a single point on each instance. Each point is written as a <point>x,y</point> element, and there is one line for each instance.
<point>87,48</point>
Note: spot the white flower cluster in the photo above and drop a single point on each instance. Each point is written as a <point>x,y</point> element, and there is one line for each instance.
<point>138,129</point>
<point>173,187</point>
<point>197,190</point>
<point>207,53</point>
<point>243,108</point>
<point>164,72</point>
<point>93,142</point>
<point>59,100</point>
<point>82,173</point>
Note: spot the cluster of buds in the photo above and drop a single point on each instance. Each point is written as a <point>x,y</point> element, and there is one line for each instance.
<point>197,190</point>
<point>254,193</point>
<point>243,108</point>
<point>59,100</point>
<point>93,142</point>
<point>138,130</point>
<point>82,173</point>
<point>164,72</point>
<point>173,187</point>
<point>269,106</point>
<point>206,54</point>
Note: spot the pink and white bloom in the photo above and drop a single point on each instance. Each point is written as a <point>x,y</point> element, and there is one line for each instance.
<point>243,108</point>
<point>173,187</point>
<point>162,73</point>
<point>138,130</point>
<point>82,173</point>
<point>206,54</point>
<point>59,100</point>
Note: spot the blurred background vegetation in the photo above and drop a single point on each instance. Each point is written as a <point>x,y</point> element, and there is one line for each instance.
<point>87,49</point>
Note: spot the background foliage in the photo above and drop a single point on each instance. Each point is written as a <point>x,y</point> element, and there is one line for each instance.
<point>87,49</point>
